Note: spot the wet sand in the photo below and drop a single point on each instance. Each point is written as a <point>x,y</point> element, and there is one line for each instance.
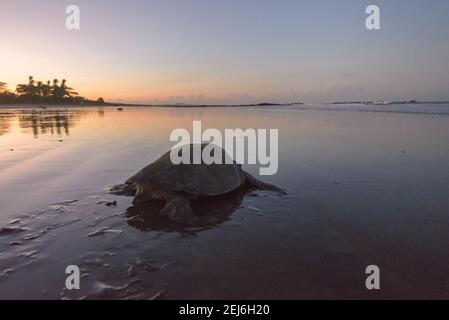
<point>364,188</point>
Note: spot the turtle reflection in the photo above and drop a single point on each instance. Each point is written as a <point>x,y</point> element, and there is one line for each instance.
<point>209,213</point>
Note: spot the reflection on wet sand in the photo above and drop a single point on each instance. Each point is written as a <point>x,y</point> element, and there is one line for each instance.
<point>42,122</point>
<point>100,112</point>
<point>211,212</point>
<point>51,121</point>
<point>5,119</point>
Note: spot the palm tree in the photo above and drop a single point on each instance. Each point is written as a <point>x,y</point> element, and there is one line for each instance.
<point>32,88</point>
<point>40,91</point>
<point>56,90</point>
<point>5,95</point>
<point>29,89</point>
<point>66,91</point>
<point>46,89</point>
<point>39,88</point>
<point>21,89</point>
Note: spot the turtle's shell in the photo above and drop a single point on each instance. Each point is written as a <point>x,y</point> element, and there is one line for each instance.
<point>194,179</point>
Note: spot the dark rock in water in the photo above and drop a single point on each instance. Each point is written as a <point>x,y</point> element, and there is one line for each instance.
<point>119,109</point>
<point>111,204</point>
<point>108,203</point>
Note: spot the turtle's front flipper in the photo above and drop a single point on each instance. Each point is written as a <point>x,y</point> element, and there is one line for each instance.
<point>179,210</point>
<point>123,190</point>
<point>256,183</point>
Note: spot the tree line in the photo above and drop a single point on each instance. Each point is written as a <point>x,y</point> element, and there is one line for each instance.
<point>42,92</point>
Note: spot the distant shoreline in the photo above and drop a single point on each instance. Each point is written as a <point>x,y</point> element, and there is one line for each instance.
<point>388,103</point>
<point>37,105</point>
<point>43,106</point>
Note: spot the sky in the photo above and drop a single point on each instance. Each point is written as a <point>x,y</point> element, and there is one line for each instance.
<point>230,51</point>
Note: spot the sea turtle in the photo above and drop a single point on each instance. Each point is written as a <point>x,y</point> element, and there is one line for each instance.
<point>179,184</point>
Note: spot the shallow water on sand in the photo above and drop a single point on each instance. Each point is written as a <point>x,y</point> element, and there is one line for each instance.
<point>364,188</point>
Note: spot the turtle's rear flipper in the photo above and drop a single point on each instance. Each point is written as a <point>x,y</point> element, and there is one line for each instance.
<point>179,210</point>
<point>256,183</point>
